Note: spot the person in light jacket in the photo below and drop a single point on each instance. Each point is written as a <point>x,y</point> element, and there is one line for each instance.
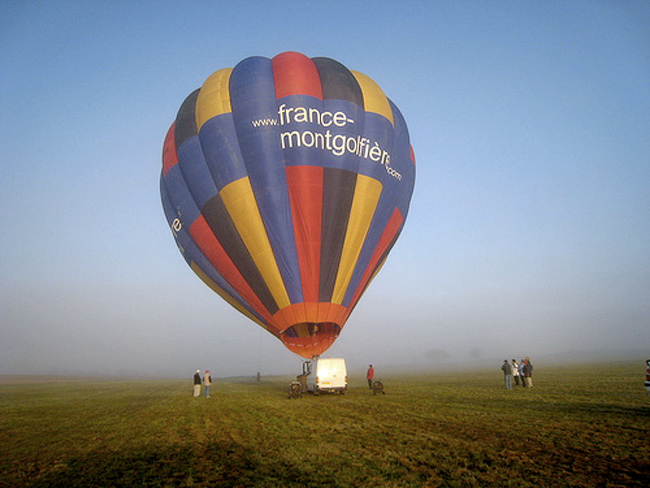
<point>515,371</point>
<point>522,377</point>
<point>207,382</point>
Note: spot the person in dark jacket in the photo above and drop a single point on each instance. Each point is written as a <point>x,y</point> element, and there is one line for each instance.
<point>528,372</point>
<point>197,383</point>
<point>507,374</point>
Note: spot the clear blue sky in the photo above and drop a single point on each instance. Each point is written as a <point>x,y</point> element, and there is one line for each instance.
<point>529,230</point>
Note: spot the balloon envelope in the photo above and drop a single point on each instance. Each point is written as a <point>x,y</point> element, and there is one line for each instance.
<point>286,182</point>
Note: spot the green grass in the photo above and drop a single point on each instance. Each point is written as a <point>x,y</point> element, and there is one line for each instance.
<point>580,426</point>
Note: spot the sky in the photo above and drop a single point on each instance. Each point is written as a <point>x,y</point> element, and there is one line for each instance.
<point>528,232</point>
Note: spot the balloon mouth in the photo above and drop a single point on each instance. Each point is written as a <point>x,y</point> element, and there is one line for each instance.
<point>309,339</point>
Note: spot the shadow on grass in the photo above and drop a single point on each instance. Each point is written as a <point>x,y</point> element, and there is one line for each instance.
<point>212,464</point>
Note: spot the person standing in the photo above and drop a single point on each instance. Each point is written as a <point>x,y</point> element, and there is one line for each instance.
<point>370,374</point>
<point>522,376</point>
<point>207,383</point>
<point>197,383</point>
<point>515,372</point>
<point>647,376</point>
<point>528,373</point>
<point>507,374</point>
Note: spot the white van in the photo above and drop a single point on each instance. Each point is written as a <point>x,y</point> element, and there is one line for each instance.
<point>330,375</point>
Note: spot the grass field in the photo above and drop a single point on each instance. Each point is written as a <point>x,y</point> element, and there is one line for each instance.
<point>580,426</point>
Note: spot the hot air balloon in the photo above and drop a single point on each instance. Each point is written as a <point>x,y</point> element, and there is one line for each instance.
<point>286,182</point>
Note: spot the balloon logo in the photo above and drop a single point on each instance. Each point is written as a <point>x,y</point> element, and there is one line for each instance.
<point>286,182</point>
